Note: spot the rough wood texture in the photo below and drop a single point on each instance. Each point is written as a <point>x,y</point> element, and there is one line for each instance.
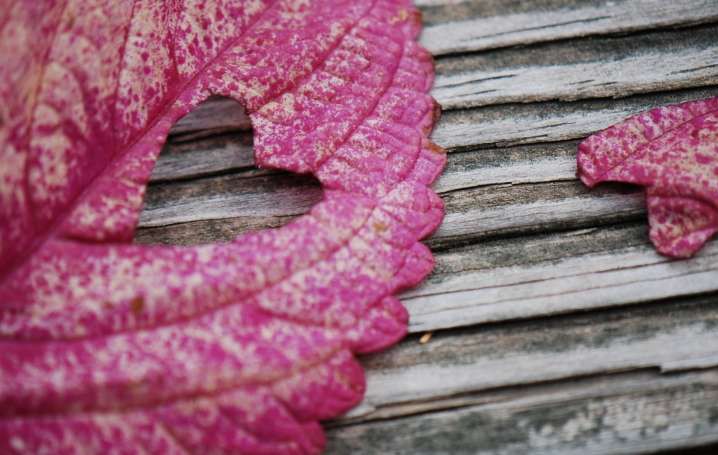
<point>510,124</point>
<point>556,327</point>
<point>672,336</point>
<point>641,413</point>
<point>593,382</point>
<point>618,275</point>
<point>456,26</point>
<point>605,67</point>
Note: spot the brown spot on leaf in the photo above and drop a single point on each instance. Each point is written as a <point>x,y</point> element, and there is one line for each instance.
<point>137,305</point>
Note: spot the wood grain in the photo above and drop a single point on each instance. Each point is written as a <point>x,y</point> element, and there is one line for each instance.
<point>666,336</point>
<point>247,194</point>
<point>500,210</point>
<point>637,413</point>
<point>217,114</point>
<point>598,68</point>
<point>511,124</point>
<point>617,276</point>
<point>204,157</point>
<point>481,25</point>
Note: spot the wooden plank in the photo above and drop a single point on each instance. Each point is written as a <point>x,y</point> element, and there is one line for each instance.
<point>535,163</point>
<point>209,231</point>
<point>665,336</point>
<point>598,68</point>
<point>628,413</point>
<point>548,121</point>
<point>557,390</point>
<point>490,211</point>
<point>248,194</point>
<point>217,114</point>
<point>204,157</point>
<point>481,25</point>
<point>617,276</point>
<point>525,251</point>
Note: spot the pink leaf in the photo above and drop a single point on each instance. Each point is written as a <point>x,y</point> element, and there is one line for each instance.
<point>673,152</point>
<point>110,347</point>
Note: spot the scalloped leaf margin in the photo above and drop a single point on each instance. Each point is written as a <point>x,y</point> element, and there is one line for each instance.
<point>110,347</point>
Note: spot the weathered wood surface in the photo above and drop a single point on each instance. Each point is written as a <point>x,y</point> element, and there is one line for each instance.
<point>455,26</point>
<point>631,414</point>
<point>463,291</point>
<point>557,328</point>
<point>671,336</point>
<point>601,67</point>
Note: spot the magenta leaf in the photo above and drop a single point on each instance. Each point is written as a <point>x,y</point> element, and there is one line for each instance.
<point>673,152</point>
<point>241,347</point>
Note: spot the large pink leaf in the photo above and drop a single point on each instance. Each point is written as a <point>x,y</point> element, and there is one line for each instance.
<point>673,152</point>
<point>110,347</point>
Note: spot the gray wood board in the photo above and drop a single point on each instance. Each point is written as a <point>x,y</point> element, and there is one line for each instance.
<point>628,414</point>
<point>667,336</point>
<point>597,68</point>
<point>469,26</point>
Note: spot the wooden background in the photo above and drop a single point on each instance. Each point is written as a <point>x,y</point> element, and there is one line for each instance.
<point>556,327</point>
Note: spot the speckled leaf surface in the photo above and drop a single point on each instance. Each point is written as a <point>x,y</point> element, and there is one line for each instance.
<point>111,347</point>
<point>673,152</point>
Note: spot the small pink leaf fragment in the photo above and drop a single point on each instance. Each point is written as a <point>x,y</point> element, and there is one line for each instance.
<point>111,347</point>
<point>673,152</point>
